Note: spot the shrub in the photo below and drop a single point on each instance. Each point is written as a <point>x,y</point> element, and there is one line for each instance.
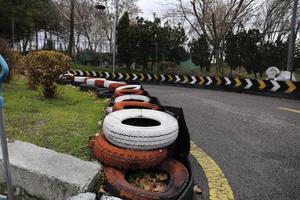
<point>44,67</point>
<point>13,58</point>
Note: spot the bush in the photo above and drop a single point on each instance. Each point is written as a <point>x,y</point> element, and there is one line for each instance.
<point>44,67</point>
<point>12,58</point>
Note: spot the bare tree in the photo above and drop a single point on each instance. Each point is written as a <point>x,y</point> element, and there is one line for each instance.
<point>273,19</point>
<point>214,19</point>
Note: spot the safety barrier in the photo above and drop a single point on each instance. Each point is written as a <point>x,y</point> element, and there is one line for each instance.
<point>257,86</point>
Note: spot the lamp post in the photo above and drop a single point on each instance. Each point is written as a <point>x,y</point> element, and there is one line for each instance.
<point>292,39</point>
<point>100,7</point>
<point>114,44</point>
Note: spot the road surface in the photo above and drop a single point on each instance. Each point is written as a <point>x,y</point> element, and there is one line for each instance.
<point>255,140</point>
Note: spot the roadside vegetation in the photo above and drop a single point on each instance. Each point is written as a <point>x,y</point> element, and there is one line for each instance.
<point>63,124</point>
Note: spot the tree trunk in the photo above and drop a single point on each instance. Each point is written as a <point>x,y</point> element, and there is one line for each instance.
<point>71,34</point>
<point>217,56</point>
<point>45,38</point>
<point>36,39</point>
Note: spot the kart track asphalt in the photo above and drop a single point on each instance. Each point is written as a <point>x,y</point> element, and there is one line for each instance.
<point>254,140</point>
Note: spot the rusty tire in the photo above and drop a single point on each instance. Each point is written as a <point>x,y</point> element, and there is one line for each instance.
<point>107,83</point>
<point>112,87</point>
<point>100,83</point>
<point>92,81</point>
<point>134,104</point>
<point>127,92</point>
<point>117,185</point>
<point>120,158</point>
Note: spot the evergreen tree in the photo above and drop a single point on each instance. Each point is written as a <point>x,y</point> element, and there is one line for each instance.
<point>200,54</point>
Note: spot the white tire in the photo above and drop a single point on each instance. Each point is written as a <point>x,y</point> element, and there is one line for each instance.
<point>127,136</point>
<point>129,87</point>
<point>109,110</point>
<point>132,97</point>
<point>107,83</point>
<point>93,80</point>
<point>80,79</point>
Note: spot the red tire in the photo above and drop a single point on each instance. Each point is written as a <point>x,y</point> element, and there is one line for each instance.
<point>116,157</point>
<point>99,83</point>
<point>114,86</point>
<point>178,180</point>
<point>127,92</point>
<point>134,104</point>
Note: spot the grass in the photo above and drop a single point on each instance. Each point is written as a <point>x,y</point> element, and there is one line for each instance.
<point>64,124</point>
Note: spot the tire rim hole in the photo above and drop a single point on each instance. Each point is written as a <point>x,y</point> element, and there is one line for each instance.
<point>143,122</point>
<point>153,180</point>
<point>135,100</point>
<point>128,92</point>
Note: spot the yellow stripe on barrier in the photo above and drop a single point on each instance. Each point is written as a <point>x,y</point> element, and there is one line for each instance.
<point>170,78</point>
<point>219,81</point>
<point>219,188</point>
<point>202,80</point>
<point>127,77</point>
<point>142,77</point>
<point>292,87</point>
<point>238,82</point>
<point>185,79</point>
<point>262,84</point>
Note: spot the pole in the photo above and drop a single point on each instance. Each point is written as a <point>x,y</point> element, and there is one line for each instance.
<point>156,56</point>
<point>5,158</point>
<point>114,44</point>
<point>292,39</point>
<point>12,33</point>
<point>3,74</point>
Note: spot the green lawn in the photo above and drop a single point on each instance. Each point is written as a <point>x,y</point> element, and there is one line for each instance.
<point>63,124</point>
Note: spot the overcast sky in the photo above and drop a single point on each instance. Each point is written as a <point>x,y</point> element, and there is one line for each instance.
<point>150,6</point>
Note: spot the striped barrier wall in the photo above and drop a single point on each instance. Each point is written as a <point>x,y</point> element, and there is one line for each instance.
<point>267,87</point>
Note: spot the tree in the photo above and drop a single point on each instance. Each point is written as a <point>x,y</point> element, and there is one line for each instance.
<point>26,17</point>
<point>200,54</point>
<point>214,19</point>
<point>233,49</point>
<point>124,41</point>
<point>176,39</point>
<point>250,53</point>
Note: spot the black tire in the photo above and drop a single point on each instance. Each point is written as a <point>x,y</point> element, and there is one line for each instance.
<point>65,82</point>
<point>104,94</point>
<point>86,88</point>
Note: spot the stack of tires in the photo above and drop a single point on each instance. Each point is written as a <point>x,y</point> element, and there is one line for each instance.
<point>137,134</point>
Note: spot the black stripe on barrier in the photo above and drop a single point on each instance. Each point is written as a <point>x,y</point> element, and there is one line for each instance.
<point>285,88</point>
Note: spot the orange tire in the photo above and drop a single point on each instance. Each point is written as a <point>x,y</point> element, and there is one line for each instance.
<point>99,83</point>
<point>127,92</point>
<point>114,86</point>
<point>117,185</point>
<point>134,104</point>
<point>119,158</point>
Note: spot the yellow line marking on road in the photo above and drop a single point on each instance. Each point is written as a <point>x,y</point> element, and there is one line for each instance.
<point>219,188</point>
<point>289,109</point>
